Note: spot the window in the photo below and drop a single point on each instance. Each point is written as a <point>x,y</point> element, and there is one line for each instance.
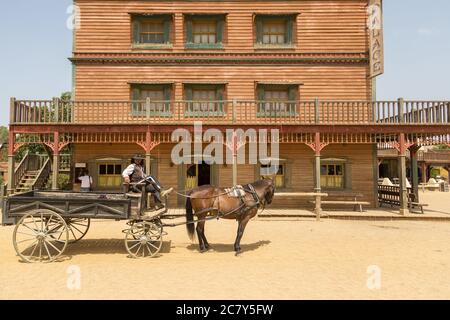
<point>204,100</point>
<point>332,176</point>
<point>273,30</point>
<point>204,31</point>
<point>152,31</point>
<point>109,175</point>
<point>159,97</point>
<point>278,177</point>
<point>277,100</point>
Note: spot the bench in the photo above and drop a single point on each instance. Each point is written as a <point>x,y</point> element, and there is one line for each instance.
<point>346,201</point>
<point>420,206</point>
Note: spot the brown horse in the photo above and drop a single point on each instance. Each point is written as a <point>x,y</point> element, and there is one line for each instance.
<point>208,200</point>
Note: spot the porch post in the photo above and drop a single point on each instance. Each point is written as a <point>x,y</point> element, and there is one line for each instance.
<point>402,175</point>
<point>317,184</point>
<point>11,163</point>
<point>55,165</point>
<point>148,156</point>
<point>235,155</point>
<point>148,164</point>
<point>414,171</point>
<point>424,172</point>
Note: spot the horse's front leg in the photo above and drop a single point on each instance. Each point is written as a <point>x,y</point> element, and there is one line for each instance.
<point>240,233</point>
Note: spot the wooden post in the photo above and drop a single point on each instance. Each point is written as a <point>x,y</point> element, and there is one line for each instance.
<point>147,108</point>
<point>448,113</point>
<point>12,111</point>
<point>234,105</point>
<point>235,155</point>
<point>402,175</point>
<point>317,184</point>
<point>11,163</point>
<point>148,164</point>
<point>414,171</point>
<point>401,104</point>
<point>317,111</point>
<point>55,165</point>
<point>424,172</point>
<point>56,104</point>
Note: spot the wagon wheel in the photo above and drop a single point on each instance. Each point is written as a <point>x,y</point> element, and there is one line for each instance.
<point>78,228</point>
<point>40,236</point>
<point>143,239</point>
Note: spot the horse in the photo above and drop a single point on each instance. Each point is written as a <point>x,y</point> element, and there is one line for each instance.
<point>208,200</point>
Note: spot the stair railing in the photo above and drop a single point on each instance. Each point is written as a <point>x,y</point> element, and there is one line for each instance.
<point>21,169</point>
<point>43,175</point>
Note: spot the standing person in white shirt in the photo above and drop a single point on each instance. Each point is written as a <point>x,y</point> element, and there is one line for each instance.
<point>86,181</point>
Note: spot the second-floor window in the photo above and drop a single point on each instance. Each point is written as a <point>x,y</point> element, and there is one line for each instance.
<point>204,31</point>
<point>273,30</point>
<point>204,99</point>
<point>277,99</point>
<point>152,30</point>
<point>153,100</point>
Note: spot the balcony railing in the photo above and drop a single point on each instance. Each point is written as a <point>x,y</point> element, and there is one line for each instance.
<point>238,112</point>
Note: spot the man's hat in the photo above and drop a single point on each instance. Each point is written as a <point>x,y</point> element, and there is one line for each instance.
<point>138,157</point>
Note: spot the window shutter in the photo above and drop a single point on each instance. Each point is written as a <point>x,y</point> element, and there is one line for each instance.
<point>260,93</point>
<point>167,27</point>
<point>136,30</point>
<point>293,93</point>
<point>259,30</point>
<point>220,97</point>
<point>189,35</point>
<point>220,29</point>
<point>167,98</point>
<point>135,96</point>
<point>289,30</point>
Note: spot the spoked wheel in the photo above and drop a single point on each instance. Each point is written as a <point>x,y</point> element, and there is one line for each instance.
<point>143,239</point>
<point>41,236</point>
<point>78,228</point>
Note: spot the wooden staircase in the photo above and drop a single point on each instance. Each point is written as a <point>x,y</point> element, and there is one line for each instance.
<point>28,181</point>
<point>33,173</point>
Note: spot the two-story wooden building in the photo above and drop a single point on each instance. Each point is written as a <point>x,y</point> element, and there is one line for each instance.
<point>142,69</point>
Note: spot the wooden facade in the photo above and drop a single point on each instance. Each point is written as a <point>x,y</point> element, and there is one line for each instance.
<point>314,53</point>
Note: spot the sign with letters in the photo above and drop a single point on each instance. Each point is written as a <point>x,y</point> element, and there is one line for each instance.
<point>376,41</point>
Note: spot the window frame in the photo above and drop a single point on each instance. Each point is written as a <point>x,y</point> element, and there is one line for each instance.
<point>188,94</point>
<point>291,104</point>
<point>168,28</point>
<point>136,95</point>
<point>346,182</point>
<point>290,35</point>
<point>221,30</point>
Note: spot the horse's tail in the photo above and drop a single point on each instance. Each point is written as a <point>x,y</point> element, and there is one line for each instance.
<point>190,225</point>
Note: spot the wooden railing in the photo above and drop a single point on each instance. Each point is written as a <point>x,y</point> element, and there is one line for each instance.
<point>43,175</point>
<point>434,156</point>
<point>21,169</point>
<point>230,112</point>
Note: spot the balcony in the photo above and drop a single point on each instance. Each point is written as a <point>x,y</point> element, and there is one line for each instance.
<point>236,112</point>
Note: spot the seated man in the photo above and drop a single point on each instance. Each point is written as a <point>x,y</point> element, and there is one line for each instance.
<point>134,173</point>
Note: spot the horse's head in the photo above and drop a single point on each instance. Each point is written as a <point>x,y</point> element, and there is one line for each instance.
<point>269,190</point>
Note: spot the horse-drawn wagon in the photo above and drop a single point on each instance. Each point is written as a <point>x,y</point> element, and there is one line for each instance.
<point>49,221</point>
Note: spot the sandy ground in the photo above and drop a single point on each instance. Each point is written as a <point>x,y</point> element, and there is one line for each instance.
<point>283,259</point>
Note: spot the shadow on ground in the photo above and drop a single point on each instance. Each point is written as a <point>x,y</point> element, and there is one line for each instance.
<point>222,247</point>
<point>104,246</point>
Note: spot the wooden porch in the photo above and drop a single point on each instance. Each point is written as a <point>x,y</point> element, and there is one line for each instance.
<point>401,125</point>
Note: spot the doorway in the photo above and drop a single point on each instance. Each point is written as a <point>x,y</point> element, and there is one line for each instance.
<point>198,175</point>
